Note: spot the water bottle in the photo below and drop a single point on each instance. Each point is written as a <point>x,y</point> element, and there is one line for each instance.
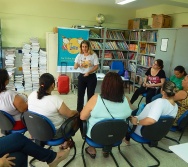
<point>126,74</point>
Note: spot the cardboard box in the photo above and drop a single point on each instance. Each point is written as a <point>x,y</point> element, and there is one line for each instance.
<point>130,24</point>
<point>139,23</point>
<point>161,21</point>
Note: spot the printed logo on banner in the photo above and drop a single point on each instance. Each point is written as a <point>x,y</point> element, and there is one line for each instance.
<point>69,46</point>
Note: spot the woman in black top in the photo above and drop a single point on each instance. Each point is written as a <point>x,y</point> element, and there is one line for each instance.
<point>154,79</point>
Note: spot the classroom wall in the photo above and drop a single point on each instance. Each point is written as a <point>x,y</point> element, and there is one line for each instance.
<point>178,14</point>
<point>22,19</point>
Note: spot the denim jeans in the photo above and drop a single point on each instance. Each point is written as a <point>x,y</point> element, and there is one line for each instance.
<point>19,146</point>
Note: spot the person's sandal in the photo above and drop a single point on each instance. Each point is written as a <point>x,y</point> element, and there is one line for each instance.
<point>91,155</point>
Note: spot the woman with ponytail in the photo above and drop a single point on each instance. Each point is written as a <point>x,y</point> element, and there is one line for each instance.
<point>51,106</point>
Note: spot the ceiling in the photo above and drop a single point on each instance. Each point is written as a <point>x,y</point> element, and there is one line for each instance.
<point>138,4</point>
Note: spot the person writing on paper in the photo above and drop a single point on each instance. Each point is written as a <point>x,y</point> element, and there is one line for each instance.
<point>111,103</point>
<point>10,101</point>
<point>87,61</point>
<point>154,79</point>
<point>15,149</point>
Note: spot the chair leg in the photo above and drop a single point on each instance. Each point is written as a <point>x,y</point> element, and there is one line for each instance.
<point>177,141</point>
<point>114,158</point>
<point>84,162</point>
<point>158,162</point>
<point>72,156</point>
<point>182,132</point>
<point>124,156</point>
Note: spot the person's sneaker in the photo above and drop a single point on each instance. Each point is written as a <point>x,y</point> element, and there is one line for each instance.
<point>61,155</point>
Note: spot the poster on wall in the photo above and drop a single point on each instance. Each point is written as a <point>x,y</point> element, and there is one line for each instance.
<point>69,40</point>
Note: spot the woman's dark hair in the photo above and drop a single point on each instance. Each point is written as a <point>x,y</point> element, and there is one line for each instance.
<point>45,81</point>
<point>90,50</point>
<point>112,87</point>
<point>3,78</point>
<point>169,88</point>
<point>181,69</point>
<point>160,63</point>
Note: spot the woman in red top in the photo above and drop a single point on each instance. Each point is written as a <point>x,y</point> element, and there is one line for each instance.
<point>154,79</point>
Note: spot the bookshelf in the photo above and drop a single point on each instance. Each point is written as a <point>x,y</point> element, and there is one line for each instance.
<point>109,44</point>
<point>96,38</point>
<point>147,42</point>
<point>115,46</point>
<point>1,57</point>
<point>132,54</point>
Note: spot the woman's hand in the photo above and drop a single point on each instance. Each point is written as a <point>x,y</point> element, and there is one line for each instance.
<point>6,161</point>
<point>144,84</point>
<point>134,120</point>
<point>86,74</point>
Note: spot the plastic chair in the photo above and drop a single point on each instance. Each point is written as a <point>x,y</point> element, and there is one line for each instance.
<point>43,131</point>
<point>152,134</point>
<point>104,137</point>
<point>182,123</point>
<point>7,122</point>
<point>118,65</point>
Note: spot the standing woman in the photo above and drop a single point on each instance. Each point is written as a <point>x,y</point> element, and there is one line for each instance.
<point>88,62</point>
<point>154,79</point>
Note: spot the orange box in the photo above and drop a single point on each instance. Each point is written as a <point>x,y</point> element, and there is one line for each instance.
<point>161,21</point>
<point>130,24</point>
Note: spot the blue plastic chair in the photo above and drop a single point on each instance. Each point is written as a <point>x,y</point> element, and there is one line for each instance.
<point>152,134</point>
<point>105,134</point>
<point>7,123</point>
<point>45,134</point>
<point>118,65</point>
<point>182,123</point>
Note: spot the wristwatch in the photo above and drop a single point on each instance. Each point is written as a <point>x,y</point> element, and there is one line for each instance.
<point>137,121</point>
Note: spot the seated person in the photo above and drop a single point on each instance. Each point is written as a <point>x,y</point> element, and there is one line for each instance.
<point>51,106</point>
<point>179,74</point>
<point>182,99</point>
<point>15,149</point>
<point>154,79</point>
<point>10,101</point>
<point>111,103</point>
<point>154,110</point>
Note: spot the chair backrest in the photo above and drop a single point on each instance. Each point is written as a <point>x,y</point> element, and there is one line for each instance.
<point>118,65</point>
<point>39,126</point>
<point>6,121</point>
<point>108,132</point>
<point>183,120</point>
<point>70,126</point>
<point>158,130</point>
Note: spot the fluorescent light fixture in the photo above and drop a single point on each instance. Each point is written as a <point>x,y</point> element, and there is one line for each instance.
<point>122,2</point>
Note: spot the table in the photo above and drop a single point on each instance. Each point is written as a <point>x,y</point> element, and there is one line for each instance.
<point>181,150</point>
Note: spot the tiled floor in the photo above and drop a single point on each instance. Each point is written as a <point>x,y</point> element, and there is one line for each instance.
<point>134,152</point>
